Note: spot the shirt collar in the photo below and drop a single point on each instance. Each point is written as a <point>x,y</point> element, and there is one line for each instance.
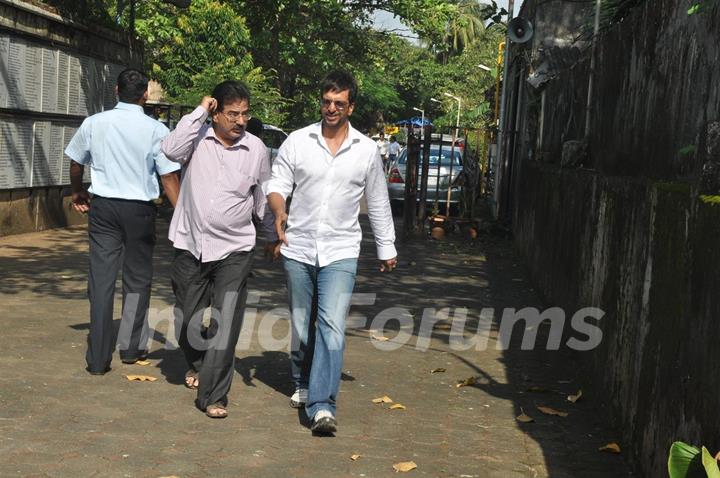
<point>242,140</point>
<point>129,107</point>
<point>353,134</point>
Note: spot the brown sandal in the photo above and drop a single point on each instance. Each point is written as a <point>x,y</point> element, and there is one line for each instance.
<point>191,380</point>
<point>216,410</point>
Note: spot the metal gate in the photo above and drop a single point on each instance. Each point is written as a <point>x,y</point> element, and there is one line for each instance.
<point>445,175</point>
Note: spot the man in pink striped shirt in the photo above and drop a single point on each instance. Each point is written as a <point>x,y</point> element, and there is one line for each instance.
<point>213,234</point>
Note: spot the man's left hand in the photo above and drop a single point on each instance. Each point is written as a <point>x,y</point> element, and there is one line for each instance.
<point>81,201</point>
<point>388,265</point>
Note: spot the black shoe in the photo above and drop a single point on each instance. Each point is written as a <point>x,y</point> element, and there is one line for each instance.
<point>130,361</point>
<point>324,425</point>
<point>98,372</point>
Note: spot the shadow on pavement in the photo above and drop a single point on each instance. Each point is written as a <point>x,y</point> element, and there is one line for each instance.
<point>486,273</point>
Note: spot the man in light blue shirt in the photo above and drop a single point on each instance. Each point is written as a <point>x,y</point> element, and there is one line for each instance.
<point>122,148</point>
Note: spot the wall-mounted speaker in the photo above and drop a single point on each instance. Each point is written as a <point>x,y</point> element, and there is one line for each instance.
<point>520,30</point>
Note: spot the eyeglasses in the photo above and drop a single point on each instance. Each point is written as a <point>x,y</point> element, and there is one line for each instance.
<point>339,105</point>
<point>234,115</point>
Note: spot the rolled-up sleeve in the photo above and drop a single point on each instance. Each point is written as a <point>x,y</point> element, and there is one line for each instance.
<point>179,144</point>
<point>379,212</point>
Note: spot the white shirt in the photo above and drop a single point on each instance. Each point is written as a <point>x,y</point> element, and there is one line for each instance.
<point>382,145</point>
<point>394,148</point>
<point>323,224</point>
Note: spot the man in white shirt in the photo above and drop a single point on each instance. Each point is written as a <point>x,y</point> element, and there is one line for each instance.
<point>331,165</point>
<point>383,146</point>
<point>393,150</point>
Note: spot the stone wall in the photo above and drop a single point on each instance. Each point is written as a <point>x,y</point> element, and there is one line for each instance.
<point>53,73</point>
<point>632,228</point>
<point>26,210</point>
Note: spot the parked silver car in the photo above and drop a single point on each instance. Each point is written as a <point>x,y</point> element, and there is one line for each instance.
<point>439,175</point>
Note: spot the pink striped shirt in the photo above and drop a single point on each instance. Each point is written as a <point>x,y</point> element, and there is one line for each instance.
<point>220,190</point>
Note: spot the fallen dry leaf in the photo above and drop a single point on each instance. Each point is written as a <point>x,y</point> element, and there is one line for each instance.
<point>143,362</point>
<point>467,382</point>
<point>552,411</point>
<point>437,370</point>
<point>576,397</point>
<point>610,448</point>
<point>379,338</point>
<point>524,418</point>
<point>355,457</point>
<point>141,378</point>
<point>404,466</point>
<point>383,399</point>
<point>398,406</point>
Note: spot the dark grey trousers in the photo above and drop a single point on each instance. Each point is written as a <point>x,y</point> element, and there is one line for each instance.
<point>121,232</point>
<point>210,351</point>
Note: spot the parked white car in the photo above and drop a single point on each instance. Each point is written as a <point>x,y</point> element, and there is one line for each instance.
<point>273,137</point>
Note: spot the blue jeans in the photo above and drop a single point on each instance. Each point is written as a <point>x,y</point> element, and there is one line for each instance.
<point>319,300</point>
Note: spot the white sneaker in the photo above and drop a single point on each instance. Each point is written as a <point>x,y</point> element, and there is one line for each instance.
<point>323,414</point>
<point>299,398</point>
<point>324,422</point>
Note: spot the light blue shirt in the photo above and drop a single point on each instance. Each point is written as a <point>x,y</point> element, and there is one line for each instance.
<point>122,148</point>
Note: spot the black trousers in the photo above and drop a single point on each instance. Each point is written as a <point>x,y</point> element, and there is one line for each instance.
<point>210,351</point>
<point>121,232</point>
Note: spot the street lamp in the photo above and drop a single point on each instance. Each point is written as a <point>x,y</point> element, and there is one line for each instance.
<point>422,122</point>
<point>457,123</point>
<point>483,67</point>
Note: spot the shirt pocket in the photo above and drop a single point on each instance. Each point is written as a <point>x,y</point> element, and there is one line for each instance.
<point>240,184</point>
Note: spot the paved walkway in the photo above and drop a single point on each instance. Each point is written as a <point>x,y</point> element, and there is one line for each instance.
<point>56,420</point>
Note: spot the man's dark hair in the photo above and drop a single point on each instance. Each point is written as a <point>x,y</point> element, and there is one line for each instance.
<point>132,85</point>
<point>254,126</point>
<point>229,91</point>
<point>339,80</point>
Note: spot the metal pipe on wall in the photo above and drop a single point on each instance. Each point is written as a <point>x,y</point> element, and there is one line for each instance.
<point>499,164</point>
<point>591,76</point>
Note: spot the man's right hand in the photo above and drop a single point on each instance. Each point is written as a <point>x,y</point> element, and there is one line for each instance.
<point>209,103</point>
<point>272,250</point>
<point>81,201</point>
<point>280,223</point>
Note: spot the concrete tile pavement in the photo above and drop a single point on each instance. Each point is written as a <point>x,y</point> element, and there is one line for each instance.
<point>56,420</point>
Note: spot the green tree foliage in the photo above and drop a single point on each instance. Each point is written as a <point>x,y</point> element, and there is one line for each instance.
<point>282,49</point>
<point>463,28</point>
<point>419,77</point>
<point>100,12</point>
<point>301,40</point>
<point>191,50</point>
